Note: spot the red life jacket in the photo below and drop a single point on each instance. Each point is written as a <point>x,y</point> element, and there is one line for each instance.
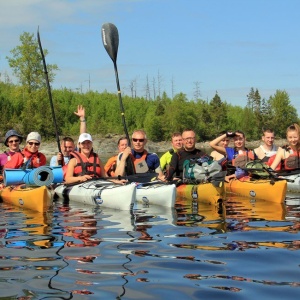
<point>33,160</point>
<point>87,166</point>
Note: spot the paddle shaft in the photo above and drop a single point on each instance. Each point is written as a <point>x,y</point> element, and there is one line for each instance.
<point>49,94</point>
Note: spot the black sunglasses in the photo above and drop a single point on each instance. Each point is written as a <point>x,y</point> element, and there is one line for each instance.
<point>13,141</point>
<point>138,140</point>
<point>33,143</point>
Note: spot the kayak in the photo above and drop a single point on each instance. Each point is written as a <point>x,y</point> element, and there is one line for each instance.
<point>100,193</point>
<point>35,198</point>
<point>156,193</point>
<point>293,182</point>
<point>203,192</point>
<point>263,189</point>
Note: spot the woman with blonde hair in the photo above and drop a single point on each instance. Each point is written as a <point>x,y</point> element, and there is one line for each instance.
<point>288,157</point>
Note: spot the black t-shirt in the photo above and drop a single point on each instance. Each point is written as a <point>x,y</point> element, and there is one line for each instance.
<point>178,158</point>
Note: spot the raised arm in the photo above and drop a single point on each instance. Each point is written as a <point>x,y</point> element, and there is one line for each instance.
<point>81,114</point>
<point>214,144</point>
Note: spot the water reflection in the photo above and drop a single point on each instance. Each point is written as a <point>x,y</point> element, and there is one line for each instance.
<point>194,251</point>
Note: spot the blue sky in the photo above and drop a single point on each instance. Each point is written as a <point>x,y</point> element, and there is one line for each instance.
<point>227,46</point>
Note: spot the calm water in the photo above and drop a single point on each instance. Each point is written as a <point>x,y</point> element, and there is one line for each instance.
<point>238,250</point>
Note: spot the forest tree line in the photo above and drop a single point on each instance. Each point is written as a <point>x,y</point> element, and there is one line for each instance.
<point>26,107</point>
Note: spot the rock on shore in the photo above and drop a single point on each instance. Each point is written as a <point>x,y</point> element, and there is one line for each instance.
<point>108,145</point>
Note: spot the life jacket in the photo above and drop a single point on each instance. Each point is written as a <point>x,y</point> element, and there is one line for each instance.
<point>241,157</point>
<point>26,159</point>
<point>293,161</point>
<point>87,166</point>
<point>110,166</point>
<point>140,164</point>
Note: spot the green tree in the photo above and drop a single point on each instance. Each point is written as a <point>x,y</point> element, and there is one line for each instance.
<point>283,113</point>
<point>27,66</point>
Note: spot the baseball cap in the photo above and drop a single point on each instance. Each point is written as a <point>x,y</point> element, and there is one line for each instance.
<point>85,137</point>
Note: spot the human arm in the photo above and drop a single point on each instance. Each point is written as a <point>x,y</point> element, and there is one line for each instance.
<point>121,162</point>
<point>173,167</point>
<point>279,156</point>
<point>81,114</point>
<point>214,144</point>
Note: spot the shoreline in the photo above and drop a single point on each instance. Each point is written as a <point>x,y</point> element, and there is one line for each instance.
<point>108,146</point>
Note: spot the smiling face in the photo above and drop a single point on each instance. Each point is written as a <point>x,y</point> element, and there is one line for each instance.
<point>139,141</point>
<point>268,138</point>
<point>13,143</point>
<point>33,146</point>
<point>122,145</point>
<point>293,138</point>
<point>177,142</point>
<point>86,147</point>
<point>67,147</point>
<point>189,140</point>
<point>239,141</point>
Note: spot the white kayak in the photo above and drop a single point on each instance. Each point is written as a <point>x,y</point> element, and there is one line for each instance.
<point>107,194</point>
<point>156,193</point>
<point>293,182</point>
<point>100,193</point>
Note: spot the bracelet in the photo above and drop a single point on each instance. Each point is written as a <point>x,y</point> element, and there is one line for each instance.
<point>84,120</point>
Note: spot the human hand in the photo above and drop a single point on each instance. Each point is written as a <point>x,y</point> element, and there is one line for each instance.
<point>230,134</point>
<point>126,153</point>
<point>85,178</point>
<point>59,156</point>
<point>80,111</point>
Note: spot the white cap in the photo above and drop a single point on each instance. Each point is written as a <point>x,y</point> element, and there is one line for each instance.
<point>85,137</point>
<point>33,136</point>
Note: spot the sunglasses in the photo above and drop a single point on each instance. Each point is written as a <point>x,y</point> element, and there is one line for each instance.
<point>13,141</point>
<point>138,140</point>
<point>33,143</point>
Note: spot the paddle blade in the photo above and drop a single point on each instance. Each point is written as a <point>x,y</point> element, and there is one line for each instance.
<point>110,39</point>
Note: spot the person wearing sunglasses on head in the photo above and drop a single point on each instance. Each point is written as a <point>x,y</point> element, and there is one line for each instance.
<point>143,161</point>
<point>29,157</point>
<point>12,140</point>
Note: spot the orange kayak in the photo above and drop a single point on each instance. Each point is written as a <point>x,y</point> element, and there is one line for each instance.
<point>261,189</point>
<point>35,198</point>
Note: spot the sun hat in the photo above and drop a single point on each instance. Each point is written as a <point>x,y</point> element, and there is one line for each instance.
<point>33,136</point>
<point>10,133</point>
<point>85,137</point>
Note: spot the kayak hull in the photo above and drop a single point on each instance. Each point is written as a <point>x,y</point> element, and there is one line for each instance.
<point>261,189</point>
<point>203,192</point>
<point>34,198</point>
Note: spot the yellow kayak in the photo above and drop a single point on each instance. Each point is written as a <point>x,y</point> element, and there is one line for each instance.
<point>263,189</point>
<point>203,192</point>
<point>35,198</point>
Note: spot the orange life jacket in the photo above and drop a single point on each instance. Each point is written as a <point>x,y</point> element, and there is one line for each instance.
<point>140,164</point>
<point>110,166</point>
<point>87,166</point>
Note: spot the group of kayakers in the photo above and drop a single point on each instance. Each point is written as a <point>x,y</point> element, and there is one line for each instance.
<point>81,163</point>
